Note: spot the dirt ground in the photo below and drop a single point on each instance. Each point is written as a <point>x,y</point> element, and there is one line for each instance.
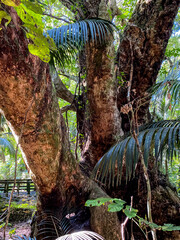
<point>20,218</point>
<point>19,228</point>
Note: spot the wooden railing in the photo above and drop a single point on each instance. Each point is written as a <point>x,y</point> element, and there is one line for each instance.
<point>25,185</point>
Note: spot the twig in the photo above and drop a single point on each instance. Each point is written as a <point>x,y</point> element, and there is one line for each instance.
<point>15,172</point>
<point>140,228</point>
<point>72,77</point>
<point>133,125</point>
<point>125,221</point>
<point>58,18</point>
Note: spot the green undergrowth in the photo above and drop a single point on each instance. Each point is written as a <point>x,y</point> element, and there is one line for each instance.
<point>22,206</point>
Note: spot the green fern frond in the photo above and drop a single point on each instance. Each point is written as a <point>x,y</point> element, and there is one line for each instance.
<point>4,143</point>
<point>170,87</point>
<point>153,138</point>
<point>72,37</point>
<point>80,32</point>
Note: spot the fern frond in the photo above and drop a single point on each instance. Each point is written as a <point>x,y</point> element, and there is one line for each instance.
<point>72,37</point>
<point>4,143</point>
<point>81,31</point>
<point>170,87</point>
<point>81,235</point>
<point>153,138</point>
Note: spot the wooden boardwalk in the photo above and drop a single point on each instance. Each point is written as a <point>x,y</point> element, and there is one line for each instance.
<point>24,185</point>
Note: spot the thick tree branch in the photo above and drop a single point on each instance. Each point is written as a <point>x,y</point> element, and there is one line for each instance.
<point>68,108</point>
<point>72,77</point>
<point>149,30</point>
<point>61,90</point>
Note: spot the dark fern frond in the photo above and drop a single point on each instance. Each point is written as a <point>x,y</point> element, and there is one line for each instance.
<point>82,31</point>
<point>160,136</point>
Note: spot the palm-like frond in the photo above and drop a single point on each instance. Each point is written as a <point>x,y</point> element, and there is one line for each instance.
<point>4,143</point>
<point>82,31</point>
<point>82,235</point>
<point>72,37</point>
<point>153,138</point>
<point>170,87</point>
<point>50,226</point>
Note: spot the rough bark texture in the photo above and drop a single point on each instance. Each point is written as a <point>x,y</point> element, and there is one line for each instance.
<point>104,116</point>
<point>148,30</point>
<point>30,106</point>
<point>26,92</point>
<point>28,102</point>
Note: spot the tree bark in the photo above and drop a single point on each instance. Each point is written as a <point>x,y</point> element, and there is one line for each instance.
<point>148,31</point>
<point>29,103</point>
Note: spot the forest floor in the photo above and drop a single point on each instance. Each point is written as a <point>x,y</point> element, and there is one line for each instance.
<point>22,209</point>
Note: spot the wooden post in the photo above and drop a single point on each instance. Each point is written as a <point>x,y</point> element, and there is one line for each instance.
<point>28,187</point>
<point>18,185</point>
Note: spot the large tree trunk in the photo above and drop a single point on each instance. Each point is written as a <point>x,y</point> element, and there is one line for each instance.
<point>142,45</point>
<point>29,103</point>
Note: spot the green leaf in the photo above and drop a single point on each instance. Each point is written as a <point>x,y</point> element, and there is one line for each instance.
<point>43,53</point>
<point>97,202</point>
<point>170,227</point>
<point>4,143</point>
<point>11,3</point>
<point>130,212</point>
<point>116,206</point>
<point>12,231</point>
<point>33,6</point>
<point>3,14</point>
<point>142,221</point>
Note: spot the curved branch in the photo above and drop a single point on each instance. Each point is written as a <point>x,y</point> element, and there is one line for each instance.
<point>68,108</point>
<point>61,90</point>
<point>58,18</point>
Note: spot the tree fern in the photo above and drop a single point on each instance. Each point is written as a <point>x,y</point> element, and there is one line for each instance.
<point>155,138</point>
